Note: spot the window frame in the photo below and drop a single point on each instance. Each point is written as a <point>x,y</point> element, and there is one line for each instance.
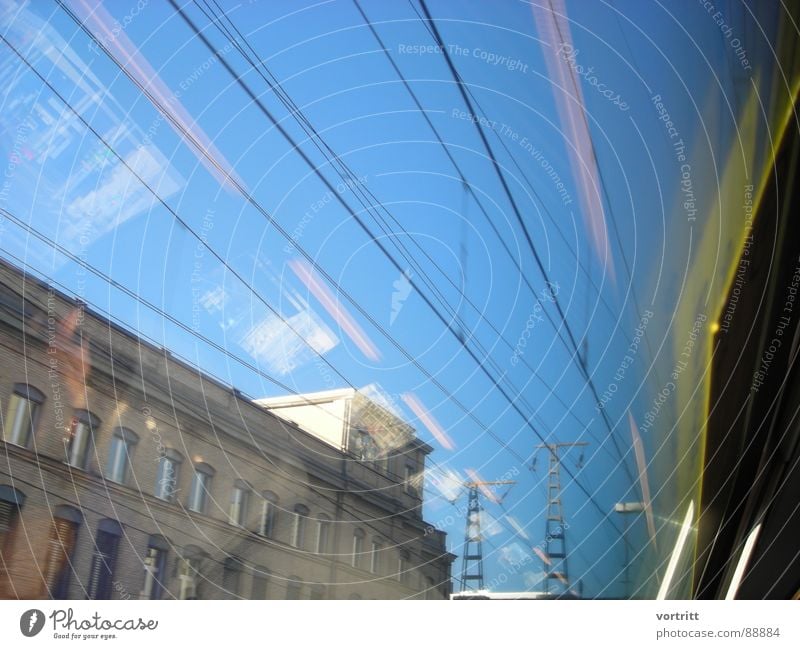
<point>200,488</point>
<point>23,395</point>
<point>86,423</point>
<point>167,490</point>
<point>299,524</point>
<point>123,441</point>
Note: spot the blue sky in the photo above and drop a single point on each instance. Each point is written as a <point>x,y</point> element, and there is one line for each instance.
<point>67,185</point>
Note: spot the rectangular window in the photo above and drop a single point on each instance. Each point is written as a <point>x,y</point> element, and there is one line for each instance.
<point>401,568</point>
<point>376,557</point>
<point>258,589</point>
<point>187,579</point>
<point>408,481</point>
<point>119,455</point>
<point>298,529</point>
<point>199,492</point>
<point>78,443</point>
<point>101,578</point>
<point>267,526</point>
<point>238,512</point>
<point>154,564</point>
<point>19,420</point>
<point>59,556</point>
<point>8,512</point>
<point>358,550</point>
<point>323,534</point>
<point>231,576</point>
<point>167,479</point>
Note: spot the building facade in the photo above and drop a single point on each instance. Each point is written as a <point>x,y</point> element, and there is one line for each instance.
<point>128,473</point>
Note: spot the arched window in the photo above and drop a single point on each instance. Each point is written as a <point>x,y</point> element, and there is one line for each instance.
<point>358,547</point>
<point>169,466</point>
<point>106,544</point>
<point>155,562</point>
<point>61,545</point>
<point>269,513</point>
<point>323,533</point>
<point>299,525</point>
<point>239,501</point>
<point>231,577</point>
<point>403,563</point>
<point>190,572</point>
<point>293,587</point>
<point>258,589</point>
<point>81,433</point>
<point>119,457</point>
<point>376,556</point>
<point>201,485</point>
<point>21,414</point>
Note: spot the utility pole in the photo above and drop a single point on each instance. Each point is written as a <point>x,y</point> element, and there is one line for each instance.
<point>472,562</point>
<point>627,509</point>
<point>556,568</point>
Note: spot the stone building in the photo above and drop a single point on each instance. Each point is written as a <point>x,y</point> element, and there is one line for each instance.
<point>128,473</point>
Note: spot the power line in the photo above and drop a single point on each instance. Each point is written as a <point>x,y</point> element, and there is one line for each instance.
<point>352,182</point>
<point>261,209</point>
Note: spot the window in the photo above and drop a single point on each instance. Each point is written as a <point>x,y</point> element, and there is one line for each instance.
<point>101,577</point>
<point>269,512</point>
<point>63,535</point>
<point>323,533</point>
<point>201,484</point>
<point>155,562</point>
<point>403,559</point>
<point>299,525</point>
<point>239,502</point>
<point>84,425</point>
<point>11,501</point>
<point>430,589</point>
<point>376,557</point>
<point>119,456</point>
<point>21,415</point>
<point>293,587</point>
<point>169,465</point>
<point>258,590</point>
<point>189,572</point>
<point>409,481</point>
<point>364,446</point>
<point>358,547</point>
<point>317,592</point>
<point>231,577</point>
